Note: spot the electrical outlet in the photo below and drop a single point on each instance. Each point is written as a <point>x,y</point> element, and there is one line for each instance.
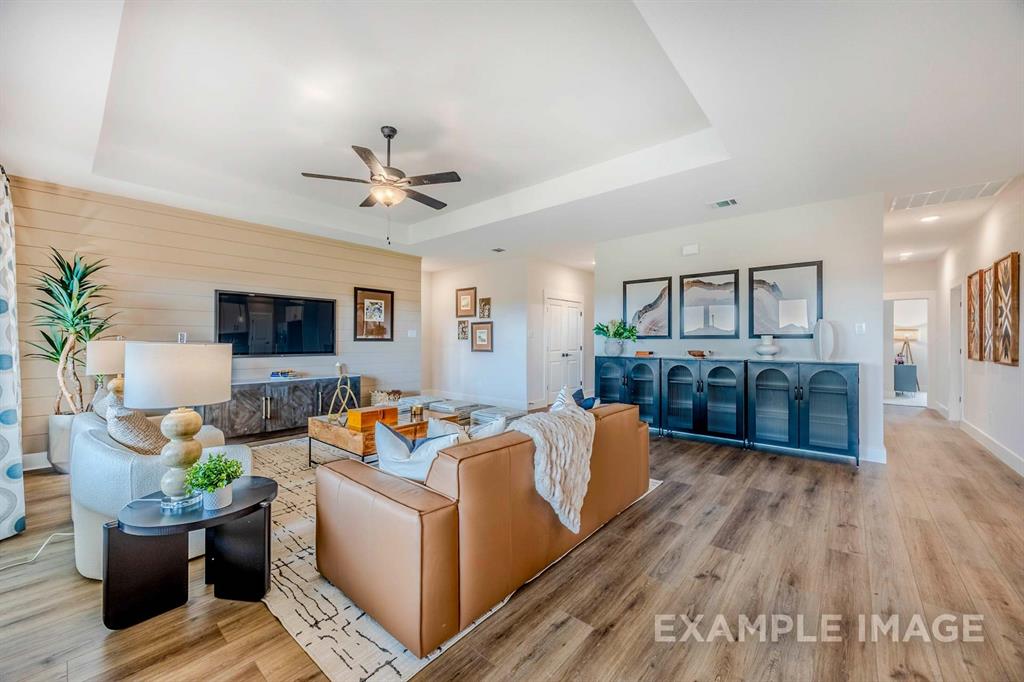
<point>860,329</point>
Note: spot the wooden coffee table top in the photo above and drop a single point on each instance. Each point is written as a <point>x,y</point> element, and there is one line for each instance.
<point>361,443</point>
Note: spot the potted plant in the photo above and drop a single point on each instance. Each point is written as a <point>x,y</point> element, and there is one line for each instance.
<point>70,303</point>
<point>615,334</point>
<point>213,478</point>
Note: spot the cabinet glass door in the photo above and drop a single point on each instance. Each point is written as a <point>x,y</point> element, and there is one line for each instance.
<point>773,407</point>
<point>723,399</point>
<point>679,385</point>
<point>610,379</point>
<point>828,415</point>
<point>642,389</point>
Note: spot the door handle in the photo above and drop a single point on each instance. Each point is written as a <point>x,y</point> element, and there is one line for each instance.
<point>268,406</point>
<point>319,401</point>
<point>263,407</point>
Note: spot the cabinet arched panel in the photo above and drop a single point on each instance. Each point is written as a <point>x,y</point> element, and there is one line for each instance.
<point>643,383</point>
<point>610,378</point>
<point>829,409</point>
<point>680,399</point>
<point>772,407</point>
<point>722,396</point>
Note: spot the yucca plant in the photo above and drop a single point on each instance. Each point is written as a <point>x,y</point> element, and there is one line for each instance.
<point>71,305</point>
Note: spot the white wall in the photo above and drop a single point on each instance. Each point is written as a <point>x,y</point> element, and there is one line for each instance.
<point>910,276</point>
<point>913,313</point>
<point>993,395</point>
<point>497,378</point>
<point>547,279</point>
<point>846,234</point>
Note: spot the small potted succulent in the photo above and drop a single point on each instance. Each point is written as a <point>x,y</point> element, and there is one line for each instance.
<point>615,334</point>
<point>213,478</point>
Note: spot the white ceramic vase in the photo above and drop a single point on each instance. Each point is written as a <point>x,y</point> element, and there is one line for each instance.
<point>614,347</point>
<point>767,348</point>
<point>824,340</point>
<point>58,450</point>
<point>218,499</point>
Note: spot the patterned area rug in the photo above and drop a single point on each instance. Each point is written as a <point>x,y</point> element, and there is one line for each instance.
<point>345,642</point>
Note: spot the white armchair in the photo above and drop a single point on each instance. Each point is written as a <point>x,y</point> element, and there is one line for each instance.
<point>105,476</point>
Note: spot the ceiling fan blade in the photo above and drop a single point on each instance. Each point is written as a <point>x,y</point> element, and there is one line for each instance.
<point>424,199</point>
<point>368,201</point>
<point>375,166</point>
<point>434,178</point>
<point>334,177</point>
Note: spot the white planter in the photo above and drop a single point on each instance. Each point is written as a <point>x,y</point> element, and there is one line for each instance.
<point>614,347</point>
<point>58,450</point>
<point>218,499</point>
<point>768,348</point>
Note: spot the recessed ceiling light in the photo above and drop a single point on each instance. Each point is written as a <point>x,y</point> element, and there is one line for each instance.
<point>929,219</point>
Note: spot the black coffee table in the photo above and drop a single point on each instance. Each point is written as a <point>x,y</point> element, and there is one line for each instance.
<point>145,553</point>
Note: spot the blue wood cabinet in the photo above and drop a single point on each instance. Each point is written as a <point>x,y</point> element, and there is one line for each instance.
<point>793,407</point>
<point>804,407</point>
<point>703,397</point>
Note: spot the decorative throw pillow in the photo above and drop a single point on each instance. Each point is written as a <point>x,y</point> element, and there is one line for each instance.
<point>585,403</point>
<point>561,400</point>
<point>441,427</point>
<point>131,429</point>
<point>410,459</point>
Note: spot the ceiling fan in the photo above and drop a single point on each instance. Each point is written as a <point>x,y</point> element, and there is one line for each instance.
<point>389,186</point>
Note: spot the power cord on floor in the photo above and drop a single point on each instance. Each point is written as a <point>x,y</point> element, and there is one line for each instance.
<point>36,555</point>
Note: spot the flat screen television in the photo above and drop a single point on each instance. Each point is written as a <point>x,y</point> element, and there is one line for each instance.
<point>264,325</point>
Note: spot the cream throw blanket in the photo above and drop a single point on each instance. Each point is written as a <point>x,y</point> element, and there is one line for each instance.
<point>563,440</point>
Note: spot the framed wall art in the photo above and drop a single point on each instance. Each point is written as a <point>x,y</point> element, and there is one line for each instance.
<point>647,305</point>
<point>485,308</point>
<point>987,313</point>
<point>465,302</point>
<point>463,330</point>
<point>374,315</point>
<point>974,316</point>
<point>1006,313</point>
<point>785,301</point>
<point>709,305</point>
<point>482,337</point>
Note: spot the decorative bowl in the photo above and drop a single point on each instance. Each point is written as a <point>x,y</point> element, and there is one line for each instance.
<point>698,353</point>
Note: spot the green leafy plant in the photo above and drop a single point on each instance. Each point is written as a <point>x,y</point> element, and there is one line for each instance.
<point>216,472</point>
<point>71,316</point>
<point>616,329</point>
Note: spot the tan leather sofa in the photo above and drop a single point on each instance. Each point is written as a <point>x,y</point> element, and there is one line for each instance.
<point>427,560</point>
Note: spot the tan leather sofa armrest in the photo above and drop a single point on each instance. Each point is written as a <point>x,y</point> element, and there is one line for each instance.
<point>391,545</point>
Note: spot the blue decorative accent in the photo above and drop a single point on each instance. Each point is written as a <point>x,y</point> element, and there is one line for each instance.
<point>3,306</point>
<point>14,471</point>
<point>9,417</point>
<point>6,361</point>
<point>19,525</point>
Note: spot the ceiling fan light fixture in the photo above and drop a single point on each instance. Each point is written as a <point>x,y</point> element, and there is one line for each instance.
<point>387,195</point>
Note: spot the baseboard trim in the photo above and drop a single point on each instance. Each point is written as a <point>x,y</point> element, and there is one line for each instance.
<point>1003,453</point>
<point>878,455</point>
<point>34,460</point>
<point>941,409</point>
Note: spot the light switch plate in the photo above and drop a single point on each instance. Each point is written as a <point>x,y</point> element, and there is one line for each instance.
<point>691,249</point>
<point>860,329</point>
<point>412,333</point>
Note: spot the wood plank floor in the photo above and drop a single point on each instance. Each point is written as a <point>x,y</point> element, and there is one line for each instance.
<point>940,529</point>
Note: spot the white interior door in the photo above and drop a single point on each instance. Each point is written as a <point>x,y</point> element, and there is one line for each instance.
<point>563,346</point>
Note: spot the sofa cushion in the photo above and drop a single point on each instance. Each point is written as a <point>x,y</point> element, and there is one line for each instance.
<point>132,429</point>
<point>585,403</point>
<point>410,459</point>
<point>561,400</point>
<point>442,427</point>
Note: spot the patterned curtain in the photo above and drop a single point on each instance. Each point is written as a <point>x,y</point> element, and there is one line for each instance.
<point>12,488</point>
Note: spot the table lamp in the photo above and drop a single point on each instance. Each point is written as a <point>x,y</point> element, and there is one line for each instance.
<point>106,357</point>
<point>177,375</point>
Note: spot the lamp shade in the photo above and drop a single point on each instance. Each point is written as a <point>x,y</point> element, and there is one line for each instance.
<point>176,374</point>
<point>105,356</point>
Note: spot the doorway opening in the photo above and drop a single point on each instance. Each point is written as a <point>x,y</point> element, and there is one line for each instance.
<point>908,381</point>
<point>563,345</point>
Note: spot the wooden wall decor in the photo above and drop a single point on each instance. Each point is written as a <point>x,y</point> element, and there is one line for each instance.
<point>974,316</point>
<point>987,313</point>
<point>1006,316</point>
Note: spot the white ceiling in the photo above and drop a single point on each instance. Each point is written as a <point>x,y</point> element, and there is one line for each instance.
<point>569,122</point>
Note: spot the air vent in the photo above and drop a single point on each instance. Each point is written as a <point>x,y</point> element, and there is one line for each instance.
<point>724,203</point>
<point>498,250</point>
<point>946,196</point>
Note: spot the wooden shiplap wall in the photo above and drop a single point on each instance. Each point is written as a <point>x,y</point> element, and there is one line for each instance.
<point>165,264</point>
